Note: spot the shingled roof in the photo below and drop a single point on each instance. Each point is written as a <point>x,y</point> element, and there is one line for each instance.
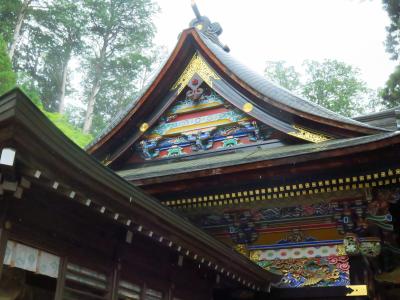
<point>271,90</point>
<point>265,89</point>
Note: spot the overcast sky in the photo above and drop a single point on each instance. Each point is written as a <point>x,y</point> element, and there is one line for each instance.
<point>352,31</point>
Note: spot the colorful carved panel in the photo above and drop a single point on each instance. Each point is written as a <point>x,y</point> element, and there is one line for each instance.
<point>306,267</point>
<point>200,120</point>
<point>265,214</point>
<point>311,272</point>
<point>369,247</point>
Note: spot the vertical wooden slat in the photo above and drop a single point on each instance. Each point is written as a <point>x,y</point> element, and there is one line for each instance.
<point>114,282</point>
<point>168,293</point>
<point>61,279</point>
<point>143,292</point>
<point>3,229</point>
<point>3,246</point>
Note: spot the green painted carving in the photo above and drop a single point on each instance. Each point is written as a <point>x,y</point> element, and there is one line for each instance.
<point>370,248</point>
<point>230,142</point>
<point>175,151</point>
<point>351,244</point>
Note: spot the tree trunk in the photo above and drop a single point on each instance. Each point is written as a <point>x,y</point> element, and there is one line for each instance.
<point>64,73</point>
<point>87,125</point>
<point>18,25</point>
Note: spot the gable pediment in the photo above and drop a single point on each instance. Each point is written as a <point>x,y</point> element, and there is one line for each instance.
<point>201,120</point>
<point>172,109</point>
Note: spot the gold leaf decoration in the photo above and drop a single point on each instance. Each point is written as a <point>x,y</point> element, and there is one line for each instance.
<point>255,255</point>
<point>308,135</point>
<point>197,65</point>
<point>247,107</point>
<point>312,281</point>
<point>144,127</point>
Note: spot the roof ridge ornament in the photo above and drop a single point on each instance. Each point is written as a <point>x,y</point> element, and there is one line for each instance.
<point>210,29</point>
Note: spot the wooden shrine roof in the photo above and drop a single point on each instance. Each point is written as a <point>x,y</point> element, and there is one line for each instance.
<point>272,91</point>
<point>388,119</point>
<point>272,103</point>
<point>290,153</point>
<point>44,152</point>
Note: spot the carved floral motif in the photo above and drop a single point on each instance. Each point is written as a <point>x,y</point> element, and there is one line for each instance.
<point>313,272</point>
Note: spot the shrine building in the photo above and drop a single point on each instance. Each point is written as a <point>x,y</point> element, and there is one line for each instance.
<point>214,183</point>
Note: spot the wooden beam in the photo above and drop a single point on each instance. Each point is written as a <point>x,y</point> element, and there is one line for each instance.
<point>320,292</point>
<point>61,279</point>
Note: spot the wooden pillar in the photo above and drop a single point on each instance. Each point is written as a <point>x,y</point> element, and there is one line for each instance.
<point>61,279</point>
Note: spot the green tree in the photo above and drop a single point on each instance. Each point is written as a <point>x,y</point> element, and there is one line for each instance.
<point>120,33</point>
<point>58,31</point>
<point>334,85</point>
<point>331,84</point>
<point>8,17</point>
<point>392,43</point>
<point>59,120</point>
<point>7,76</point>
<point>13,16</point>
<point>391,92</point>
<point>285,76</point>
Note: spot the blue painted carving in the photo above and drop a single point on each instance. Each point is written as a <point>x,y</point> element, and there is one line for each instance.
<point>149,149</point>
<point>201,141</point>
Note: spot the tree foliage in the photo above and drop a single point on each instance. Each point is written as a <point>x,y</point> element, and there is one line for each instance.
<point>59,120</point>
<point>391,92</point>
<point>285,76</point>
<point>107,41</point>
<point>331,84</point>
<point>120,33</point>
<point>334,85</point>
<point>8,17</point>
<point>7,76</point>
<point>393,31</point>
<point>58,31</point>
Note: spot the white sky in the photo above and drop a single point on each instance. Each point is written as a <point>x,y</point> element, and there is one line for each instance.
<point>352,31</point>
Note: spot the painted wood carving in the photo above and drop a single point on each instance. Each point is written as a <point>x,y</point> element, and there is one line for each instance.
<point>200,120</point>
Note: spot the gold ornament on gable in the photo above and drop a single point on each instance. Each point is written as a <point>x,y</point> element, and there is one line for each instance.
<point>308,135</point>
<point>197,65</point>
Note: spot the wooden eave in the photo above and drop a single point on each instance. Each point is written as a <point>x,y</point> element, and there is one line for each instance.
<point>41,146</point>
<point>159,83</point>
<point>314,156</point>
<point>114,142</point>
